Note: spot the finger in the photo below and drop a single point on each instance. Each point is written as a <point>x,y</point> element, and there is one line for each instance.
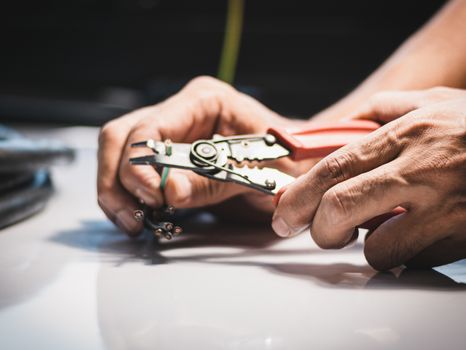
<point>386,106</point>
<point>443,252</point>
<point>142,181</point>
<point>401,238</point>
<point>186,189</point>
<point>389,105</point>
<point>350,203</point>
<point>299,202</point>
<point>116,203</point>
<point>452,246</point>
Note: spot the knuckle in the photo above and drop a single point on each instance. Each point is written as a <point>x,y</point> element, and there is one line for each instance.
<point>108,133</point>
<point>203,81</point>
<point>409,130</point>
<point>339,202</point>
<point>419,127</point>
<point>103,187</point>
<point>206,87</point>
<point>391,136</point>
<point>336,206</point>
<point>335,169</point>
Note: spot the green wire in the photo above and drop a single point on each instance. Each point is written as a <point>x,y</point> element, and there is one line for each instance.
<point>163,181</point>
<point>231,41</point>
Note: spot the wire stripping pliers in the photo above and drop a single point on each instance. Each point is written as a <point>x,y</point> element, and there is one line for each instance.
<point>223,158</point>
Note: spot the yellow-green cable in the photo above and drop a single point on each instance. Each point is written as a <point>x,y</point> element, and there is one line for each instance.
<point>229,56</point>
<point>231,41</point>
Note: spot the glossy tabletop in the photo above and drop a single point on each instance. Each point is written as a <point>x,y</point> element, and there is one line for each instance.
<point>70,280</point>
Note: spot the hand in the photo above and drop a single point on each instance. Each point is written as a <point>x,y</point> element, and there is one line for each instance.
<point>203,107</point>
<point>416,161</point>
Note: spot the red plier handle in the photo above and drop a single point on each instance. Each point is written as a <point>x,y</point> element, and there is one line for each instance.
<point>319,140</point>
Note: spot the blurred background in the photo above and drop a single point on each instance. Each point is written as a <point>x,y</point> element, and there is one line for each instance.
<point>87,61</point>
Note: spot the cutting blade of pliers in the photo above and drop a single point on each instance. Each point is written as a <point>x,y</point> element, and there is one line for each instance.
<point>172,155</point>
<point>220,159</point>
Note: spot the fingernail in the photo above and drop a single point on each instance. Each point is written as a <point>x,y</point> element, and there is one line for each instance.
<point>125,220</point>
<point>183,187</point>
<point>280,227</point>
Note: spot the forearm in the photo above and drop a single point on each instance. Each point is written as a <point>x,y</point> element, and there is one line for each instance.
<point>433,56</point>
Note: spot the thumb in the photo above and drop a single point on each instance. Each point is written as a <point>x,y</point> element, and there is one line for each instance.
<point>386,106</point>
<point>293,211</point>
<point>186,189</point>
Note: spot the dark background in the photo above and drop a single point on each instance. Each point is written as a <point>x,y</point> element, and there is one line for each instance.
<point>84,62</point>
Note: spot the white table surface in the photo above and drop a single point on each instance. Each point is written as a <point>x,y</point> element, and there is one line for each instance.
<point>70,280</point>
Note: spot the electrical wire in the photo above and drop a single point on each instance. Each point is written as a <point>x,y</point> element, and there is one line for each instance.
<point>229,55</point>
<point>164,177</point>
<point>231,41</point>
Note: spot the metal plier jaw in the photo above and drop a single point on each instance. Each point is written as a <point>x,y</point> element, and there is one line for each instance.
<point>223,159</point>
